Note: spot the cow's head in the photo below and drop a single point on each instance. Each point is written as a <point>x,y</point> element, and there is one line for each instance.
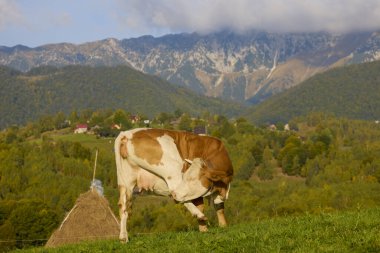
<point>201,178</point>
<point>192,186</point>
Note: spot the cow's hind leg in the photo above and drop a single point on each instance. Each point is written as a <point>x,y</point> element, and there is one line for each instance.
<point>202,225</point>
<point>219,207</point>
<point>125,208</point>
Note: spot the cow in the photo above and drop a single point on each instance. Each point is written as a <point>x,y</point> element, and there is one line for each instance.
<point>182,165</point>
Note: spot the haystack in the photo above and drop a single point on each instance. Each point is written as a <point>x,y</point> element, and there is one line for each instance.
<point>90,219</point>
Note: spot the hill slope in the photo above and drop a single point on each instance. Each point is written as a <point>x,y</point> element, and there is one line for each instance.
<point>48,90</point>
<point>352,92</point>
<point>338,232</point>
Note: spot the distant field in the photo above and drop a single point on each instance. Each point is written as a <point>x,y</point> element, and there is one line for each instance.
<point>354,231</point>
<point>87,140</point>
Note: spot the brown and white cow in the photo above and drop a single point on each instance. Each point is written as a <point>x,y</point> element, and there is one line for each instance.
<point>183,165</point>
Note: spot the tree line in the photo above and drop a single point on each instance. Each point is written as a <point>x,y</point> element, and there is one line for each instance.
<point>48,90</point>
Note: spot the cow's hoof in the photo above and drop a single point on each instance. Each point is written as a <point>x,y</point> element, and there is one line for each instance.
<point>203,228</point>
<point>123,239</point>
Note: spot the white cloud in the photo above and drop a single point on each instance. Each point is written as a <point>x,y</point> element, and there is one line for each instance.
<point>239,15</point>
<point>10,14</point>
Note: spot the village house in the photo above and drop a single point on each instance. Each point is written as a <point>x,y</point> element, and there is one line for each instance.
<point>81,128</point>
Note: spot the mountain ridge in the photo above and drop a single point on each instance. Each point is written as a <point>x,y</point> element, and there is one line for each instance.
<point>244,67</point>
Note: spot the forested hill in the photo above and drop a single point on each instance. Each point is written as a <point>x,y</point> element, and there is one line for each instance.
<point>48,90</point>
<point>352,92</point>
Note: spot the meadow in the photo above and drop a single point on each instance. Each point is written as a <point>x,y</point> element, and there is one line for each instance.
<point>349,231</point>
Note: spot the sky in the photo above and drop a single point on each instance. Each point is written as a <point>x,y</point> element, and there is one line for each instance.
<point>39,22</point>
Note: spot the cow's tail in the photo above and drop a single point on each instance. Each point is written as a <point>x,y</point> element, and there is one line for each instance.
<point>119,160</point>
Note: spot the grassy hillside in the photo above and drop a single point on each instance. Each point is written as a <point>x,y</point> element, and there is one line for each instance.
<point>48,90</point>
<point>355,231</point>
<point>328,165</point>
<point>352,92</point>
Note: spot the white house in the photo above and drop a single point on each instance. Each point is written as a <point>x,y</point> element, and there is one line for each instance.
<point>81,128</point>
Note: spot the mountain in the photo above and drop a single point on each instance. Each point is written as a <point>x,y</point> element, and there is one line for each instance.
<point>352,91</point>
<point>244,67</point>
<point>48,90</point>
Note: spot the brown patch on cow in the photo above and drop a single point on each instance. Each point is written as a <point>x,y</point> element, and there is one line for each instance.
<point>217,185</point>
<point>123,147</point>
<point>221,188</point>
<point>147,147</point>
<point>218,166</point>
<point>207,183</point>
<point>185,167</point>
<point>169,177</point>
<point>198,202</point>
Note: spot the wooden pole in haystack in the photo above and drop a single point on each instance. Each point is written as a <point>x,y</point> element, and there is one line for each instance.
<point>93,177</point>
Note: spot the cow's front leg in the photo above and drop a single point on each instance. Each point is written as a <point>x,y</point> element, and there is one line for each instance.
<point>195,211</point>
<point>125,204</point>
<point>202,225</point>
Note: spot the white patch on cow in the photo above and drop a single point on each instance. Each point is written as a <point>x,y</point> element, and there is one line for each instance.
<point>160,187</point>
<point>194,210</point>
<point>218,200</point>
<point>150,182</point>
<point>123,222</point>
<point>169,168</point>
<point>170,156</point>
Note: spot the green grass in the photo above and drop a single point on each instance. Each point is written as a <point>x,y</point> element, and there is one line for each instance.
<point>87,140</point>
<point>354,231</point>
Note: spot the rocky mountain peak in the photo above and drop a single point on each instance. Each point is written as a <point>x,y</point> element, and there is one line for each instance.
<point>244,67</point>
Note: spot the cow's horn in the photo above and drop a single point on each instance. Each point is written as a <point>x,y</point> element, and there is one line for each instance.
<point>189,161</point>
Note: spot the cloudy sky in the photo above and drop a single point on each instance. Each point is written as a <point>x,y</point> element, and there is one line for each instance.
<point>38,22</point>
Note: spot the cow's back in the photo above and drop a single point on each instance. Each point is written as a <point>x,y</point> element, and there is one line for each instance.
<point>209,149</point>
